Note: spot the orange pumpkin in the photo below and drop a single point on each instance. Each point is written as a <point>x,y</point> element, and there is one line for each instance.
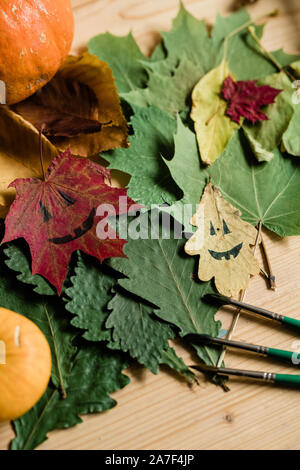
<point>35,38</point>
<point>25,364</point>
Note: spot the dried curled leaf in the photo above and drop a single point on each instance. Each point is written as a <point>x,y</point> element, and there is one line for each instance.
<point>46,110</point>
<point>222,240</point>
<point>3,212</point>
<point>19,154</point>
<point>79,108</point>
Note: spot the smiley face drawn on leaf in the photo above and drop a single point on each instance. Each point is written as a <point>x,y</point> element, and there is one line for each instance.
<point>57,215</point>
<point>67,200</point>
<point>223,242</point>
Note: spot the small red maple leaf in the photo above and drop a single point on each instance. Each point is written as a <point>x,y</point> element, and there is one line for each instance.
<point>245,98</point>
<point>57,215</point>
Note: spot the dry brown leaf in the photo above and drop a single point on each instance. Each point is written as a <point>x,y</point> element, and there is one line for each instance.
<point>63,109</point>
<point>3,212</point>
<point>19,154</point>
<point>222,240</point>
<point>79,108</point>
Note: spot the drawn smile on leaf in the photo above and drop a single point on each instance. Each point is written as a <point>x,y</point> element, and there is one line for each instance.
<point>78,231</point>
<point>214,240</point>
<point>219,255</point>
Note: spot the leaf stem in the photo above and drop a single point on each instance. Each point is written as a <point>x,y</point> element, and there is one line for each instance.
<point>27,444</point>
<point>41,152</point>
<point>269,55</point>
<point>242,297</point>
<point>244,26</point>
<point>60,375</point>
<point>270,276</point>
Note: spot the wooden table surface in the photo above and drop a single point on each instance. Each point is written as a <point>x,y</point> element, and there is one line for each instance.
<point>161,411</point>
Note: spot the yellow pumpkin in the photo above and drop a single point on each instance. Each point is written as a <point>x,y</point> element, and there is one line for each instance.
<point>35,38</point>
<point>25,364</point>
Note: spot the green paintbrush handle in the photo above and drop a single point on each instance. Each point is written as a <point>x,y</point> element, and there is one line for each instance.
<point>281,354</point>
<point>291,322</point>
<point>287,379</point>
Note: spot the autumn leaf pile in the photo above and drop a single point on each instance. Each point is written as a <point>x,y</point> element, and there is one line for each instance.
<point>204,107</point>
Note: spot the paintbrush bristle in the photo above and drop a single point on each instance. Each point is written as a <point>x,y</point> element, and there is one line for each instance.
<point>205,368</point>
<point>221,299</point>
<point>197,338</point>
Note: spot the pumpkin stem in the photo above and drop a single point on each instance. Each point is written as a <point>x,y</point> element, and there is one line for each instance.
<point>41,151</point>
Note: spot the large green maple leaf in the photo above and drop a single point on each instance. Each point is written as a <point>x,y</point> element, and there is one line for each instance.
<point>151,182</point>
<point>124,58</point>
<point>187,52</point>
<point>265,192</point>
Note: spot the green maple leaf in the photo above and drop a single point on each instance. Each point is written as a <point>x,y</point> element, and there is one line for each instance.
<point>168,283</point>
<point>47,313</point>
<point>134,330</point>
<point>263,192</point>
<point>124,58</point>
<point>151,182</point>
<point>95,372</point>
<point>265,136</point>
<point>186,53</point>
<point>88,297</point>
<point>168,91</point>
<point>188,37</point>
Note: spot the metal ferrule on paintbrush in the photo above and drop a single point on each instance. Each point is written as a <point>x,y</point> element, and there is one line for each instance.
<point>223,300</point>
<point>201,339</point>
<point>280,379</point>
<point>252,374</point>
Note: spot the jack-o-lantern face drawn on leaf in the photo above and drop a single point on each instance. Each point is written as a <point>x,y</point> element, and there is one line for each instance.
<point>58,215</point>
<point>222,240</point>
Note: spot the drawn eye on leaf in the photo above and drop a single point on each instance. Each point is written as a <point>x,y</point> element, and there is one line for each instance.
<point>223,242</point>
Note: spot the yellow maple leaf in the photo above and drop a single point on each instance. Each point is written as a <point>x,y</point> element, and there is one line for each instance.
<point>223,242</point>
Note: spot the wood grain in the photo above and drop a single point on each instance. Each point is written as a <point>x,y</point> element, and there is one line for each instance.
<point>162,412</point>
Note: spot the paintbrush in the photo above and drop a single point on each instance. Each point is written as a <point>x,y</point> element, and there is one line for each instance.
<point>223,300</point>
<point>282,379</point>
<point>208,340</point>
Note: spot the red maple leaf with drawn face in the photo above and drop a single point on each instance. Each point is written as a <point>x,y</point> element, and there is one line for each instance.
<point>245,98</point>
<point>58,215</point>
